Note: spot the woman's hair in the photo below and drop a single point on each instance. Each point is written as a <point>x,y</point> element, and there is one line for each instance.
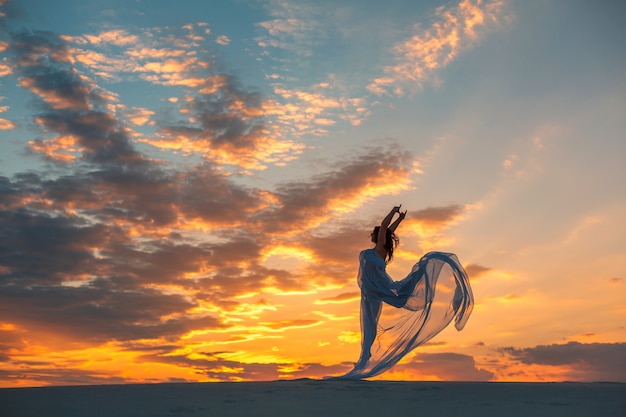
<point>391,241</point>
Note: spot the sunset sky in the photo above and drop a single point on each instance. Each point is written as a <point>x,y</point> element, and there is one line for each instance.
<point>185,186</point>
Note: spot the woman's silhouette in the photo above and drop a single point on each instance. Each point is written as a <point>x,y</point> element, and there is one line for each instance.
<point>416,317</point>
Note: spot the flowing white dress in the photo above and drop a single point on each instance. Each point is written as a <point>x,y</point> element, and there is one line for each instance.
<point>436,291</point>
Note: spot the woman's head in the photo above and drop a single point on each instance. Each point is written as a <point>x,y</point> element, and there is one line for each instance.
<point>391,241</point>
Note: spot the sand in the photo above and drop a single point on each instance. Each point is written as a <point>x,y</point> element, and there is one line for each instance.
<point>319,398</point>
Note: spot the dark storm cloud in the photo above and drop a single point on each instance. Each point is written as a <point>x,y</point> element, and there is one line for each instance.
<point>588,361</point>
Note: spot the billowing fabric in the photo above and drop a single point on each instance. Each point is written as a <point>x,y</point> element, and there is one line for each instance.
<point>398,316</point>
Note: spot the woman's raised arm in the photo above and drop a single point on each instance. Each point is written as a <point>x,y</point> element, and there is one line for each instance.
<point>395,224</point>
<point>382,232</point>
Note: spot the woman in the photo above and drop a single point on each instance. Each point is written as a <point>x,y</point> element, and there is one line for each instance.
<point>372,267</point>
<point>419,321</point>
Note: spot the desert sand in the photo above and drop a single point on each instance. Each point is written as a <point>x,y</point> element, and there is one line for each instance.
<point>319,398</point>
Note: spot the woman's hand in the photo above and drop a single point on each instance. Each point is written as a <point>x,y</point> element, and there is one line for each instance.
<point>401,215</point>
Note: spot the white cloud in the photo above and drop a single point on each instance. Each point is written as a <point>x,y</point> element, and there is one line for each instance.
<point>222,40</point>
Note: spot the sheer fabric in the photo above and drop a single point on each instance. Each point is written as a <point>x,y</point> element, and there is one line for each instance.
<point>398,316</point>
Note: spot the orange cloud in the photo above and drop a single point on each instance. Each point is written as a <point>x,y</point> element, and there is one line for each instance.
<point>447,366</point>
<point>438,216</point>
<point>341,298</point>
<point>303,112</point>
<point>104,65</point>
<point>5,70</point>
<point>572,361</point>
<point>143,52</point>
<point>7,124</point>
<point>167,66</point>
<point>430,223</point>
<point>282,325</point>
<point>227,125</point>
<point>75,99</point>
<point>222,40</point>
<point>4,123</point>
<point>118,37</point>
<point>137,115</point>
<point>432,48</point>
<point>59,149</point>
<point>475,271</point>
<point>155,56</point>
<point>128,248</point>
<point>358,180</point>
<point>265,149</point>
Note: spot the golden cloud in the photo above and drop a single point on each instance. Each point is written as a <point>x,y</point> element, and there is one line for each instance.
<point>59,149</point>
<point>282,325</point>
<point>7,124</point>
<point>432,48</point>
<point>117,37</point>
<point>346,297</point>
<point>475,271</point>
